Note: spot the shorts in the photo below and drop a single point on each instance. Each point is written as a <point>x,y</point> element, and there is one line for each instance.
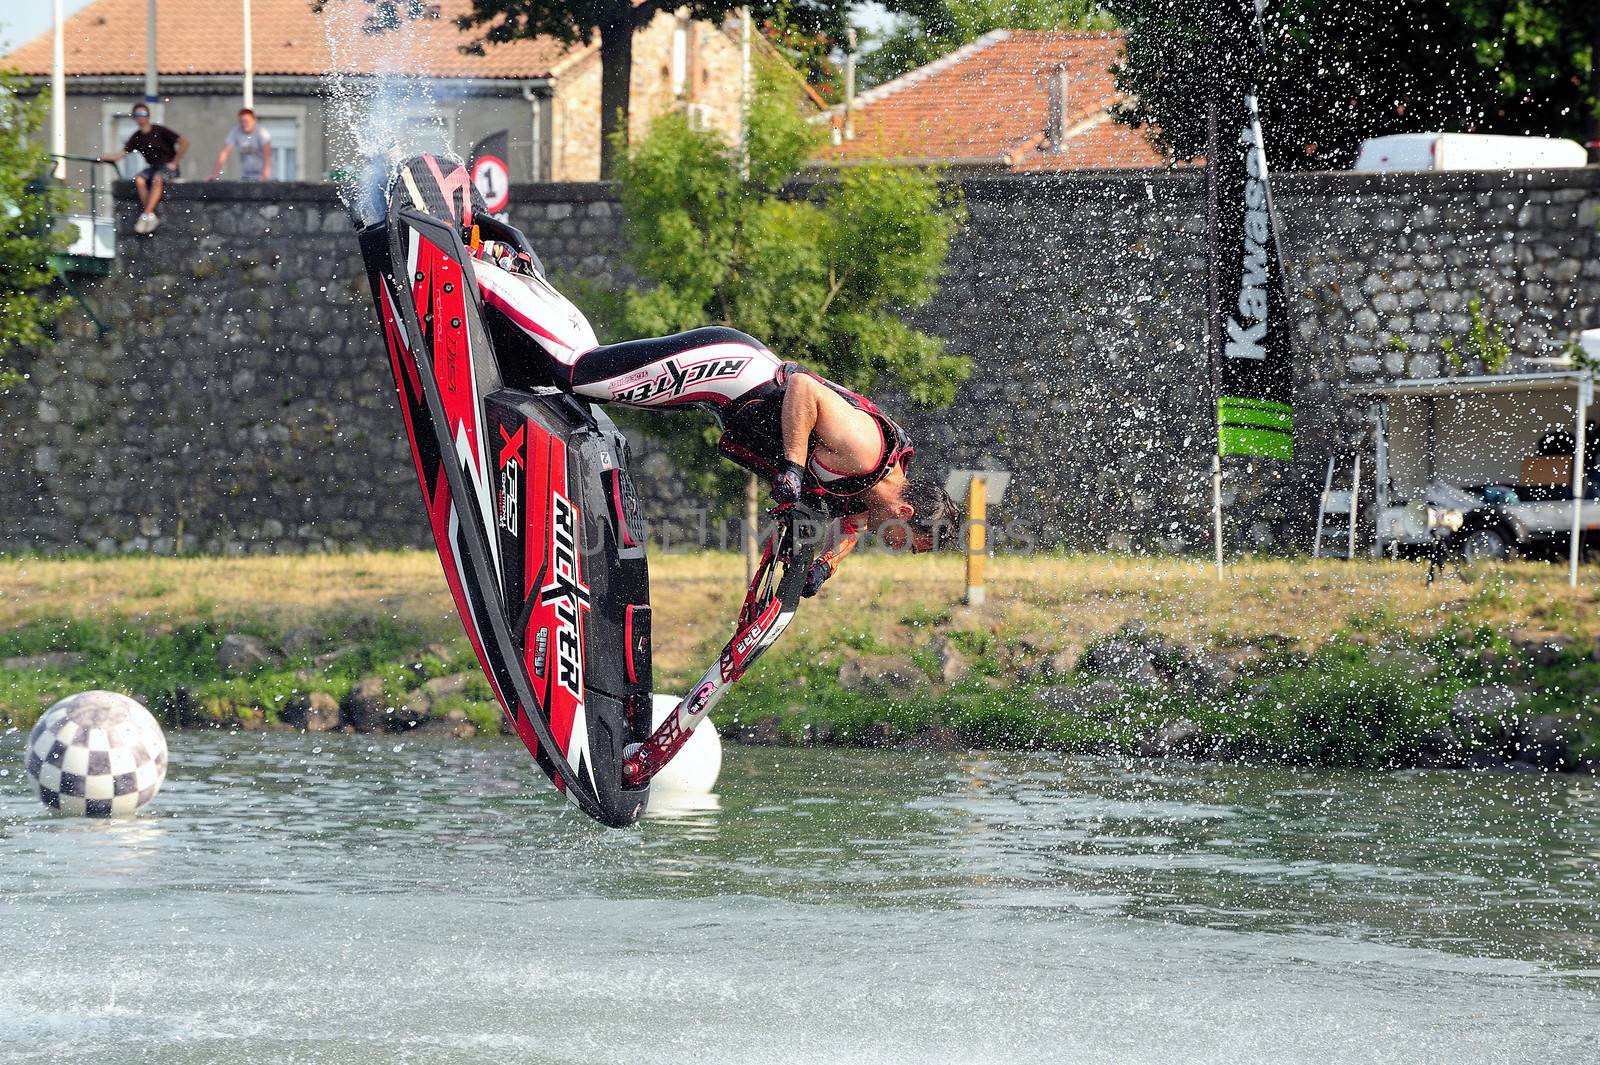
<point>166,173</point>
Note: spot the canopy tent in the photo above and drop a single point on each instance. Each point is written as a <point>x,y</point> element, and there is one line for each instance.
<point>1474,431</point>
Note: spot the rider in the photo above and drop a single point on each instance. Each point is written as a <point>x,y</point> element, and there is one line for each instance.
<point>815,441</point>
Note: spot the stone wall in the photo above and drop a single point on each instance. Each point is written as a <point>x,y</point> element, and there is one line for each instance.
<point>242,401</point>
<point>1079,298</point>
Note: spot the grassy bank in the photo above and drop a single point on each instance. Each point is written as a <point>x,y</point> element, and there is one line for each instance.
<point>1326,663</point>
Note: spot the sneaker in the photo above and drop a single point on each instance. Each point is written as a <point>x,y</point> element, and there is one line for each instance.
<point>143,224</point>
<point>150,226</point>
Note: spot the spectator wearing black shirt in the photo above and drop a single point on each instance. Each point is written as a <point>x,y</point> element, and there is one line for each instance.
<point>162,150</point>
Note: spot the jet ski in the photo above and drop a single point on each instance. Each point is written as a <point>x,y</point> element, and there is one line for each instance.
<point>528,496</point>
<point>527,493</point>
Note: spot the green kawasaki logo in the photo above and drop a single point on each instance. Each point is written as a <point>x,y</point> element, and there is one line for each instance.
<point>1255,427</point>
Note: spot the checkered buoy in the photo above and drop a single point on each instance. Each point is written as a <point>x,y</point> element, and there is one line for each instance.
<point>96,754</point>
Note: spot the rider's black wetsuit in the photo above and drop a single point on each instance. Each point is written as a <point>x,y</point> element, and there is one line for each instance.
<point>724,371</point>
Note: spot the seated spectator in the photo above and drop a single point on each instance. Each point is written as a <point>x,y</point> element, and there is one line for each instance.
<point>163,150</point>
<point>254,146</point>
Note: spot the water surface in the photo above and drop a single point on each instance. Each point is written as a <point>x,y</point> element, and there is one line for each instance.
<point>348,899</point>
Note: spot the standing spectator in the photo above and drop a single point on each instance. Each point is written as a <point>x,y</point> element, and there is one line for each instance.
<point>254,146</point>
<point>163,150</point>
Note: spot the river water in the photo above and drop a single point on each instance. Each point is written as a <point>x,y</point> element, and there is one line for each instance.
<point>337,899</point>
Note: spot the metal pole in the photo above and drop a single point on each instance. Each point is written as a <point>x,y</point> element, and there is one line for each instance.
<point>752,527</point>
<point>1216,509</point>
<point>58,94</point>
<point>752,498</point>
<point>744,93</point>
<point>249,62</point>
<point>1213,285</point>
<point>1355,505</point>
<point>1585,388</point>
<point>1380,476</point>
<point>850,84</point>
<point>151,95</point>
<point>977,539</point>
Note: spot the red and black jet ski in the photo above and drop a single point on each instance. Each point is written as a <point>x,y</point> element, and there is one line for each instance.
<point>531,505</point>
<point>528,495</point>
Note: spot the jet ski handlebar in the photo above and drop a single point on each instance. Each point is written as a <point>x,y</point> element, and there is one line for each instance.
<point>768,608</point>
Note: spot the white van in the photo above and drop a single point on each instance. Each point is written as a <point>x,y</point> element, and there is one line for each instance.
<point>1467,151</point>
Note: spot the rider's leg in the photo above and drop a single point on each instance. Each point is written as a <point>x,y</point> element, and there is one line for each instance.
<point>712,366</point>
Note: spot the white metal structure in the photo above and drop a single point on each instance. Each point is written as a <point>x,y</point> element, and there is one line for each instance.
<point>1467,151</point>
<point>58,93</point>
<point>1475,431</point>
<point>1345,502</point>
<point>249,61</point>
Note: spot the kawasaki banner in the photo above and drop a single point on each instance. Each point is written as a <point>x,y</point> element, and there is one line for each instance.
<point>1252,338</point>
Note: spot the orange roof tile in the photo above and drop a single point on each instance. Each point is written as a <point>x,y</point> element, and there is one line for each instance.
<point>204,37</point>
<point>989,102</point>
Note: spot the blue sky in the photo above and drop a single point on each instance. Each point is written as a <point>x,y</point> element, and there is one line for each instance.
<point>24,21</point>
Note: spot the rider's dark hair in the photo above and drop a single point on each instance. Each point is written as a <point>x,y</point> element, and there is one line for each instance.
<point>933,512</point>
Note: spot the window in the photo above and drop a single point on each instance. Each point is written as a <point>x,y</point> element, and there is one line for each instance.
<point>285,134</point>
<point>680,59</point>
<point>426,129</point>
<point>133,163</point>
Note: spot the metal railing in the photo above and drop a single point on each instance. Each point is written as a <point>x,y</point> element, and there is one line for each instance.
<point>90,210</point>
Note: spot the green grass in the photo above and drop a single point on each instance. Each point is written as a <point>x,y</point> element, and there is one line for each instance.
<point>174,668</point>
<point>1326,658</point>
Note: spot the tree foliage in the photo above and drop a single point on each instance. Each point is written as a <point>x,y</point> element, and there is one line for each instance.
<point>1332,72</point>
<point>1542,55</point>
<point>1337,71</point>
<point>819,278</point>
<point>29,207</point>
<point>929,29</point>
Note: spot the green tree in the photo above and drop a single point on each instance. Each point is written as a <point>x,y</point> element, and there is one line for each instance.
<point>928,29</point>
<point>28,210</point>
<point>492,22</point>
<point>1334,72</point>
<point>818,274</point>
<point>1545,59</point>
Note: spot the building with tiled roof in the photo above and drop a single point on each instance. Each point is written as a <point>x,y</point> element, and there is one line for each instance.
<point>1012,100</point>
<point>545,93</point>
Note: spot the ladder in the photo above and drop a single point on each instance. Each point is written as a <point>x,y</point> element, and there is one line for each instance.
<point>1340,503</point>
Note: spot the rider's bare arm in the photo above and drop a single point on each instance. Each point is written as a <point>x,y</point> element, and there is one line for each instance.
<point>847,439</point>
<point>802,405</point>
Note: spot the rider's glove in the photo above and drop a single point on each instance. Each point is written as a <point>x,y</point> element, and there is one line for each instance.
<point>816,576</point>
<point>786,486</point>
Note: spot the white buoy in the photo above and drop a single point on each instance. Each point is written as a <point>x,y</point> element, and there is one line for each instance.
<point>96,754</point>
<point>693,770</point>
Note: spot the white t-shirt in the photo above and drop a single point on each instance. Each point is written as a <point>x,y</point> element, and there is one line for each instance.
<point>252,148</point>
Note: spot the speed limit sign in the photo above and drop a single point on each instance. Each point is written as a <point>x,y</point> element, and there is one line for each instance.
<point>493,179</point>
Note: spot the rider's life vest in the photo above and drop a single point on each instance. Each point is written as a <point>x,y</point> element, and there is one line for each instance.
<point>752,436</point>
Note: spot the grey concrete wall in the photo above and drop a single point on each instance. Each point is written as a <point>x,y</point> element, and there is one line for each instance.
<point>244,390</point>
